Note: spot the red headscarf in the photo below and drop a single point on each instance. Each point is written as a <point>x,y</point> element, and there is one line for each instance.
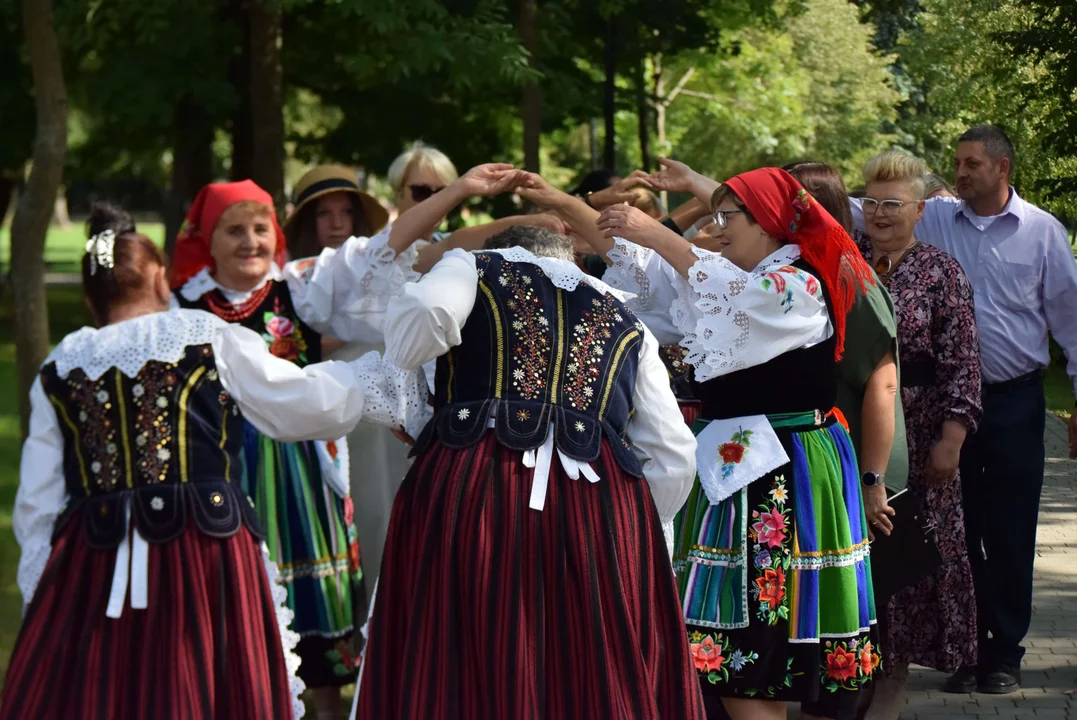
<point>786,211</point>
<point>191,253</point>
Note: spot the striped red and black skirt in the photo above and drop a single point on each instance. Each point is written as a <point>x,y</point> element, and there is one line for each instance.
<point>207,646</point>
<point>488,609</point>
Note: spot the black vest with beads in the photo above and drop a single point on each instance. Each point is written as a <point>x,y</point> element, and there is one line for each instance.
<point>532,354</point>
<point>169,441</point>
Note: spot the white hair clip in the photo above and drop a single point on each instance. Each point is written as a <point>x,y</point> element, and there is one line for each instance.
<point>100,248</point>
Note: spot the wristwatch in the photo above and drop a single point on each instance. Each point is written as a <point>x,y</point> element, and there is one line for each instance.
<point>871,479</point>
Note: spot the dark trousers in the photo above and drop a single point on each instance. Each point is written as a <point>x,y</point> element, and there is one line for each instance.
<point>1001,479</point>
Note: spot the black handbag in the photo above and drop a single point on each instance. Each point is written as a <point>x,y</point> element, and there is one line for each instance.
<point>907,554</point>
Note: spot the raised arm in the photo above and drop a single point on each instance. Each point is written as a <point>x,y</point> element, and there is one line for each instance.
<point>579,215</point>
<point>678,177</point>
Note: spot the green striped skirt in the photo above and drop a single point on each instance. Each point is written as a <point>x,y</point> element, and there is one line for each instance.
<point>775,580</point>
<point>311,537</point>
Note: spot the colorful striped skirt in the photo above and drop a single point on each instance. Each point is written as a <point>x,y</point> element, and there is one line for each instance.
<point>207,646</point>
<point>488,609</point>
<point>311,537</point>
<point>775,581</point>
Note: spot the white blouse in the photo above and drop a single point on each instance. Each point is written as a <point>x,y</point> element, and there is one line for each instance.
<point>732,319</point>
<point>342,293</point>
<point>642,272</point>
<point>284,401</point>
<point>425,320</point>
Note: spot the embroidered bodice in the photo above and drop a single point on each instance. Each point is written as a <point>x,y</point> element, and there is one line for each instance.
<point>270,312</point>
<point>533,354</point>
<point>799,380</point>
<point>166,437</point>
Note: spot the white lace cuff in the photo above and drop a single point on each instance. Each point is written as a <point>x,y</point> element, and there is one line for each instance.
<point>289,638</point>
<point>391,396</point>
<point>35,556</point>
<point>628,272</point>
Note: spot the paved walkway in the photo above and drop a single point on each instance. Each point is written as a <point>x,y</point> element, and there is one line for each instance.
<point>1050,666</point>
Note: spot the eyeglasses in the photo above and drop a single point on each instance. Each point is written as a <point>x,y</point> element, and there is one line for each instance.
<point>884,207</point>
<point>423,192</point>
<point>721,217</point>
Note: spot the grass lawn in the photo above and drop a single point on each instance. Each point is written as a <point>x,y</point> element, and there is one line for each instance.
<point>64,247</point>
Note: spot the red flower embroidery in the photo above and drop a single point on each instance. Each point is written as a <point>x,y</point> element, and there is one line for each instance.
<point>280,327</point>
<point>331,448</point>
<point>706,655</point>
<point>731,452</point>
<point>779,281</point>
<point>771,587</point>
<point>353,556</point>
<point>841,664</point>
<point>866,664</point>
<point>285,347</point>
<point>770,530</point>
<point>349,511</point>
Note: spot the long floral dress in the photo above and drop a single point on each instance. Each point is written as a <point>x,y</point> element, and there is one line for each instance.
<point>933,623</point>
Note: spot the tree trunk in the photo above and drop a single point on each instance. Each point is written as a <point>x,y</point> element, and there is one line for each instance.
<point>192,164</point>
<point>31,223</point>
<point>240,73</point>
<point>609,99</point>
<point>660,116</point>
<point>531,101</point>
<point>643,115</point>
<point>267,101</point>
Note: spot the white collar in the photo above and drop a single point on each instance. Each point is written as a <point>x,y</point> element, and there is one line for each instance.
<point>562,273</point>
<point>785,255</point>
<point>129,345</point>
<point>203,283</point>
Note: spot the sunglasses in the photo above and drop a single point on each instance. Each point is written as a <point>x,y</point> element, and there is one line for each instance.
<point>423,192</point>
<point>721,217</point>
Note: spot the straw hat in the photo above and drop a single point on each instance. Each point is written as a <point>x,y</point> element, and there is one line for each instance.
<point>325,179</point>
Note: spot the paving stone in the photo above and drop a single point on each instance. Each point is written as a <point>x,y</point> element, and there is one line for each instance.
<point>1050,666</point>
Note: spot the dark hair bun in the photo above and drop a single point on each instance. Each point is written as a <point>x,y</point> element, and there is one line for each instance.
<point>106,216</point>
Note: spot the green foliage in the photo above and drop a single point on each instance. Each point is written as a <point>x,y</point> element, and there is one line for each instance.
<point>969,76</point>
<point>812,86</point>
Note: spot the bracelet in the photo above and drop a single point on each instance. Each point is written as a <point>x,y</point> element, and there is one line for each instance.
<point>587,200</point>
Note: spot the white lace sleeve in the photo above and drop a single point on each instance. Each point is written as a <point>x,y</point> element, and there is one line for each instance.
<point>289,638</point>
<point>642,272</point>
<point>322,401</point>
<point>732,319</point>
<point>41,494</point>
<point>344,292</point>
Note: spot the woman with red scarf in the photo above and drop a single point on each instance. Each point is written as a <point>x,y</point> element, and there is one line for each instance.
<point>772,544</point>
<point>229,260</point>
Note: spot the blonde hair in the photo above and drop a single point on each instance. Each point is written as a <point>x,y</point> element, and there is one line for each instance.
<point>934,183</point>
<point>420,155</point>
<point>648,202</point>
<point>245,209</point>
<point>897,165</point>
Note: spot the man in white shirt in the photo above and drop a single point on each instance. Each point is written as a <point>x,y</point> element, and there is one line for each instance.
<point>1021,266</point>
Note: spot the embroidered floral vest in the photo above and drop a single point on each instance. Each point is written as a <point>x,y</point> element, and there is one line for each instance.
<point>801,380</point>
<point>270,313</point>
<point>169,440</point>
<point>531,354</point>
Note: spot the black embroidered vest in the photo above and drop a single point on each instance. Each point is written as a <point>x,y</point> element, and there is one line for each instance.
<point>800,380</point>
<point>270,313</point>
<point>169,440</point>
<point>532,354</point>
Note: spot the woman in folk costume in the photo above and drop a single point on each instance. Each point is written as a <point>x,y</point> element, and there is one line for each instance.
<point>147,592</point>
<point>525,573</point>
<point>228,260</point>
<point>772,544</point>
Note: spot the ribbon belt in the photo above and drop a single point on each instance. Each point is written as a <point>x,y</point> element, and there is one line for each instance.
<point>541,460</point>
<point>132,567</point>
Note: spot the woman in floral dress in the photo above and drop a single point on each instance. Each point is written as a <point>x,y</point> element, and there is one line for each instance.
<point>932,623</point>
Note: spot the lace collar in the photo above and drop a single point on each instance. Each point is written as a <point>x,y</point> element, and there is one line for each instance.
<point>203,283</point>
<point>785,255</point>
<point>129,345</point>
<point>562,274</point>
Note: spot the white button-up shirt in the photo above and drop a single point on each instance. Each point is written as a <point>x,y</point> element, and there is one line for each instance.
<point>1024,277</point>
